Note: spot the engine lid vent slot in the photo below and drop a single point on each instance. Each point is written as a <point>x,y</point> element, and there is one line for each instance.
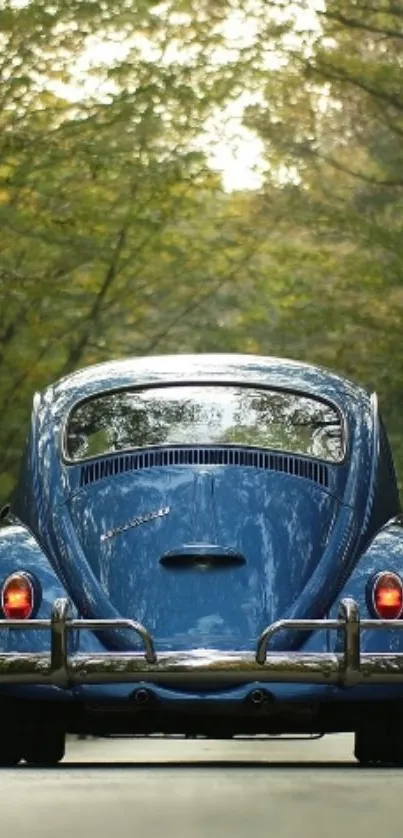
<point>313,470</point>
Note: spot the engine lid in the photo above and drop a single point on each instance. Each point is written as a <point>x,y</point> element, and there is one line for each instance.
<point>203,556</point>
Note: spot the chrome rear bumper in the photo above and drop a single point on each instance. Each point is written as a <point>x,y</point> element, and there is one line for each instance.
<point>347,668</point>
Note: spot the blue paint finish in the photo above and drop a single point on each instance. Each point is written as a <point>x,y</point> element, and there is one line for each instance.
<point>20,551</point>
<point>265,517</point>
<point>384,553</point>
<point>304,545</point>
<point>281,692</point>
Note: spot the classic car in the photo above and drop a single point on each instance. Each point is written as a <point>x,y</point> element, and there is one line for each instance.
<point>205,545</point>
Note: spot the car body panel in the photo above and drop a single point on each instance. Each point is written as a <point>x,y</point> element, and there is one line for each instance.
<point>243,509</point>
<point>110,534</point>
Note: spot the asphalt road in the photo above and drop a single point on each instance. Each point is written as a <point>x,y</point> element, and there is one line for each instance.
<point>171,788</point>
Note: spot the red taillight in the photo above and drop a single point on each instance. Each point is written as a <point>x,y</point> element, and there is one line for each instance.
<point>387,596</point>
<point>17,597</point>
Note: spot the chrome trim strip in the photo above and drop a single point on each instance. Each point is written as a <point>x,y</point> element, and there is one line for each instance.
<point>346,668</point>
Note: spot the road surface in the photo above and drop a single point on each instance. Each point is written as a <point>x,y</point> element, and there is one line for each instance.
<point>172,788</point>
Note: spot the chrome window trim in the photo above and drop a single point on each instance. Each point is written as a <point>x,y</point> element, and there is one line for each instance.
<point>206,383</point>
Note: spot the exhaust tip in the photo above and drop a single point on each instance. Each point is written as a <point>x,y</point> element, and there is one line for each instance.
<point>142,696</point>
<point>259,697</point>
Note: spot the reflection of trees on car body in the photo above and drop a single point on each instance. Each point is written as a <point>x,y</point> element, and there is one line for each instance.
<point>205,415</point>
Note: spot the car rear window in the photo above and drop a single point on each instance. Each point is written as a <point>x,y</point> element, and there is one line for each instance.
<point>204,415</point>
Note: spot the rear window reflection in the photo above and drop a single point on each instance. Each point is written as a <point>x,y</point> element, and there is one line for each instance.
<point>204,415</point>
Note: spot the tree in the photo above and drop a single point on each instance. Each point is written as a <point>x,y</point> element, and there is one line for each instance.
<point>331,120</point>
<point>114,233</point>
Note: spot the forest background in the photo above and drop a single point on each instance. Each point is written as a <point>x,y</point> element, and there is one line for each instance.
<point>199,175</point>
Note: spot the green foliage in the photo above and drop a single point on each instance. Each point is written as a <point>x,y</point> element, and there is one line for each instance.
<point>332,117</point>
<point>116,238</point>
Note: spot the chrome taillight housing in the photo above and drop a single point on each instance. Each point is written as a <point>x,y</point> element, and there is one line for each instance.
<point>19,596</point>
<point>386,595</point>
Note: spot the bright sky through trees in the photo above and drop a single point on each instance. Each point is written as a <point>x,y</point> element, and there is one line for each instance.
<point>233,150</point>
<point>116,236</point>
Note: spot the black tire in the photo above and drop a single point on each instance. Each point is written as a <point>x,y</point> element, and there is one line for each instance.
<point>378,747</point>
<point>44,748</point>
<point>11,753</point>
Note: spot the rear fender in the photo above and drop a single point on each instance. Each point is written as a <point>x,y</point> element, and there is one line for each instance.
<point>19,551</point>
<point>384,553</point>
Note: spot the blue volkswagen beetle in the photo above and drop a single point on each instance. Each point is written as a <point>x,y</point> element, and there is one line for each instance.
<point>202,545</point>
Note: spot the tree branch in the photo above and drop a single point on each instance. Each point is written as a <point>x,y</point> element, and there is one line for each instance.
<point>330,72</point>
<point>353,23</point>
<point>341,167</point>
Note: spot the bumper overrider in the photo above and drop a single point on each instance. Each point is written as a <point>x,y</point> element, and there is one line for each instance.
<point>346,668</point>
